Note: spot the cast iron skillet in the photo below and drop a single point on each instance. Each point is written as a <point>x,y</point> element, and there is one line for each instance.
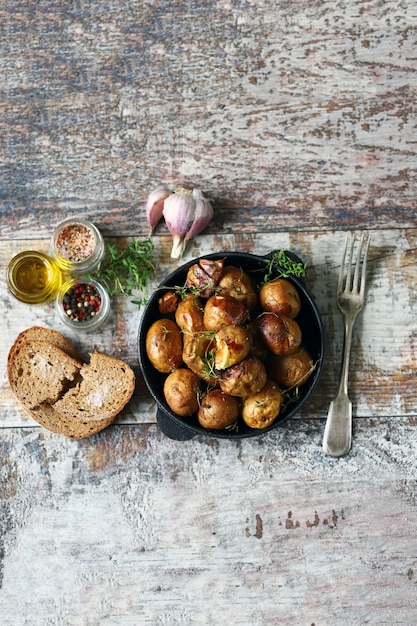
<point>309,320</point>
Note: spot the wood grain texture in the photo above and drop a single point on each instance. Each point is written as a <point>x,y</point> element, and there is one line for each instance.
<point>288,113</point>
<point>298,120</point>
<point>384,358</point>
<point>129,527</point>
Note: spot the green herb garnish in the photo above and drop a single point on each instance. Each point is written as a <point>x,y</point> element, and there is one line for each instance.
<point>285,266</point>
<point>124,270</point>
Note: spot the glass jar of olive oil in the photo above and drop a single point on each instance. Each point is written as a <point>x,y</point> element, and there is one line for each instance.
<point>33,277</point>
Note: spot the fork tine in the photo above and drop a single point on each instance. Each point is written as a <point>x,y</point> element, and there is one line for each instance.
<point>358,265</point>
<point>348,281</point>
<point>342,266</point>
<point>365,260</point>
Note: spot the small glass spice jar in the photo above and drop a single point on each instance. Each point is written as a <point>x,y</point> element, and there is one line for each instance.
<point>77,246</point>
<point>83,304</point>
<point>33,277</point>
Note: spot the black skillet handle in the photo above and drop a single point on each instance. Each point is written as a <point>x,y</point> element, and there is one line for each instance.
<point>173,428</point>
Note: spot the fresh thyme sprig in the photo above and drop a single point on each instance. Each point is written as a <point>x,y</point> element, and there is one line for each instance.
<point>125,270</point>
<point>285,266</point>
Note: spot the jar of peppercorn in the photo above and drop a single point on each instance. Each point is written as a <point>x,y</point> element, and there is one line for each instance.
<point>77,246</point>
<point>83,304</point>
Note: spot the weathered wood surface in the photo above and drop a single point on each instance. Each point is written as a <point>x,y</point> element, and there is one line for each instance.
<point>129,527</point>
<point>301,111</point>
<point>298,120</point>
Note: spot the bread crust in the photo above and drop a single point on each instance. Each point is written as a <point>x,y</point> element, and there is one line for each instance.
<point>39,372</point>
<point>35,333</point>
<point>60,392</point>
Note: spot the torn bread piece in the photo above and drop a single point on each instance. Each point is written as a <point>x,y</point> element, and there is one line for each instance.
<point>40,372</point>
<point>105,386</point>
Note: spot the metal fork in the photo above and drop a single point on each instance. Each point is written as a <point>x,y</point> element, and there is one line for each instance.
<point>337,439</point>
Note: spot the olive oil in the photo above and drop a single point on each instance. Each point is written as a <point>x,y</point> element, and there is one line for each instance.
<point>33,277</point>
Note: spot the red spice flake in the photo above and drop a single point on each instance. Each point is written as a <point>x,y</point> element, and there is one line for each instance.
<point>81,302</point>
<point>75,243</point>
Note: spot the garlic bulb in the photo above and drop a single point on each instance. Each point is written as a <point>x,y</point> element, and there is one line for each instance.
<point>186,212</point>
<point>155,206</point>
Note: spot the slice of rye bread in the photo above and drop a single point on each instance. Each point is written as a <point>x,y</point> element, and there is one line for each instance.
<point>105,387</point>
<point>39,372</point>
<point>40,332</point>
<point>68,426</point>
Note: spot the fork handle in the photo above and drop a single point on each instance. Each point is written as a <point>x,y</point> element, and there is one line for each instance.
<point>337,438</point>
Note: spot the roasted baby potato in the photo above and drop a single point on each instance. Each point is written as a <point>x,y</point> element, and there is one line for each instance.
<point>218,410</point>
<point>281,334</point>
<point>233,344</point>
<point>189,314</point>
<point>164,345</point>
<point>205,276</point>
<point>280,296</point>
<point>244,379</point>
<point>261,409</point>
<point>198,355</point>
<point>181,391</point>
<point>238,284</point>
<point>224,310</point>
<point>167,303</point>
<point>292,370</point>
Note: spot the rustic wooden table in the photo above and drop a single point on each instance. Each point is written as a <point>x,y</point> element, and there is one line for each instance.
<point>298,121</point>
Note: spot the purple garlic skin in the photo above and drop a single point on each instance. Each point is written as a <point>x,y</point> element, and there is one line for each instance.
<point>202,216</point>
<point>186,214</point>
<point>155,206</point>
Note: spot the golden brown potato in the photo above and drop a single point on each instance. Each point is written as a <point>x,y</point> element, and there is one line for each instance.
<point>204,276</point>
<point>164,345</point>
<point>280,296</point>
<point>233,344</point>
<point>198,355</point>
<point>238,284</point>
<point>224,310</point>
<point>218,410</point>
<point>189,315</point>
<point>292,370</point>
<point>167,303</point>
<point>262,409</point>
<point>181,391</point>
<point>281,334</point>
<point>244,378</point>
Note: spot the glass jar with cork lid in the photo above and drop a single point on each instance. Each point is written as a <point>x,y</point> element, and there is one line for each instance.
<point>77,246</point>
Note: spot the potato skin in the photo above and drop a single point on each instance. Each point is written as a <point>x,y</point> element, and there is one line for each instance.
<point>238,284</point>
<point>205,276</point>
<point>292,370</point>
<point>164,345</point>
<point>281,334</point>
<point>244,378</point>
<point>189,315</point>
<point>218,410</point>
<point>181,390</point>
<point>224,310</point>
<point>262,409</point>
<point>233,344</point>
<point>196,355</point>
<point>280,296</point>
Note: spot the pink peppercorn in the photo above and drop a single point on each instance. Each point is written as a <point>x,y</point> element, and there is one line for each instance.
<point>81,302</point>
